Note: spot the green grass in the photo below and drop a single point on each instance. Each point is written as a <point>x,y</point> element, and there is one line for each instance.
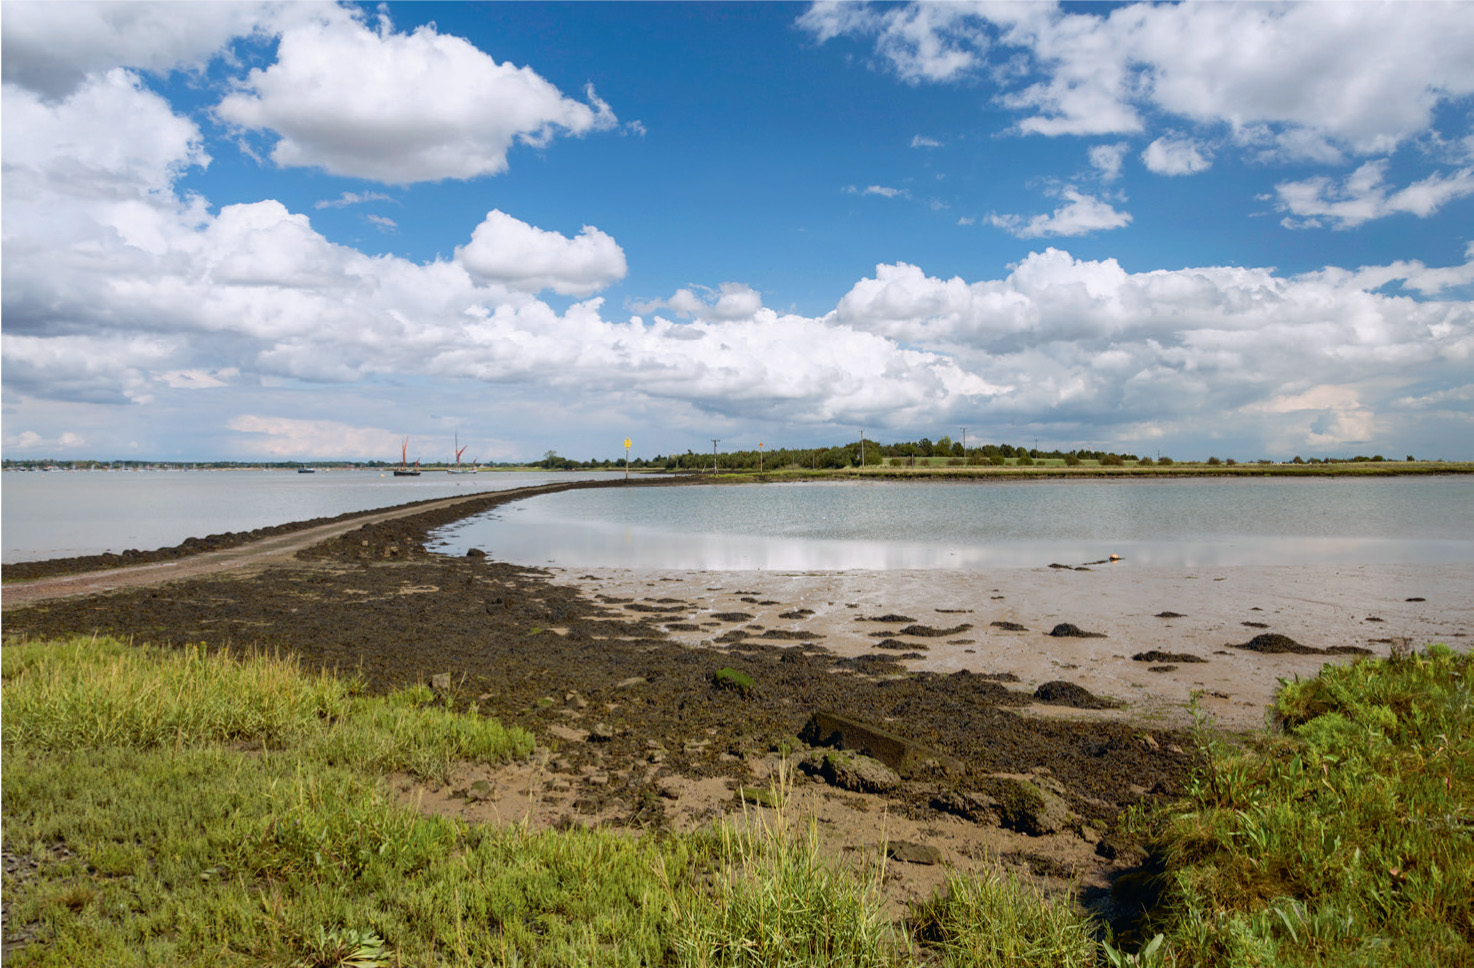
<point>996,920</point>
<point>190,808</point>
<point>1349,840</point>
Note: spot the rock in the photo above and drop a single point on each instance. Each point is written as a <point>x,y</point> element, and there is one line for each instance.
<point>739,682</point>
<point>1023,804</point>
<point>475,553</point>
<point>851,771</point>
<point>909,853</point>
<point>597,779</point>
<point>440,682</point>
<point>970,806</point>
<point>902,755</point>
<point>631,682</point>
<point>480,790</point>
<point>1027,804</point>
<point>760,796</point>
<point>601,733</point>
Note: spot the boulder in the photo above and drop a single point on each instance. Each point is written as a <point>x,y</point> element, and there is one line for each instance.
<point>1024,804</point>
<point>440,682</point>
<point>909,853</point>
<point>851,771</point>
<point>1028,804</point>
<point>739,682</point>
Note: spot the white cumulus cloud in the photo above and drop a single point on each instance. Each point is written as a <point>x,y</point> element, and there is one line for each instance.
<point>1364,196</point>
<point>400,108</point>
<point>507,250</point>
<point>730,301</point>
<point>51,47</point>
<point>1307,76</point>
<point>1080,215</point>
<point>1175,155</point>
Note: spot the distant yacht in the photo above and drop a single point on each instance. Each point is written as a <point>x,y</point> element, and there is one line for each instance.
<point>458,469</point>
<point>403,470</point>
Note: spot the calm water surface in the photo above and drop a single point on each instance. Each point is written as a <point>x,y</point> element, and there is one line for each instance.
<point>62,513</point>
<point>886,525</point>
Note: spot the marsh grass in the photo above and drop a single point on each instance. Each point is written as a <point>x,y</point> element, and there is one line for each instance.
<point>774,902</point>
<point>994,919</point>
<point>186,808</point>
<point>1347,840</point>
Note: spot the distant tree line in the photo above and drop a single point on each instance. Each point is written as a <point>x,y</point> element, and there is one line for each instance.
<point>917,453</point>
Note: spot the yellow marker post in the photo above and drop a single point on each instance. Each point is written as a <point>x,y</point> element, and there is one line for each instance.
<point>626,458</point>
<point>760,457</point>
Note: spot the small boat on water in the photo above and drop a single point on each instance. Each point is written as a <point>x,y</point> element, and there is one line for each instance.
<point>458,469</point>
<point>306,470</point>
<point>404,470</point>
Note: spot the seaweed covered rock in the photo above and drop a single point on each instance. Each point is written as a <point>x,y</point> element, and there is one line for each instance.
<point>1061,693</point>
<point>738,682</point>
<point>851,771</point>
<point>1031,805</point>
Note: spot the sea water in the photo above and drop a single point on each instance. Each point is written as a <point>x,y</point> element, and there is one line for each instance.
<point>56,514</point>
<point>973,525</point>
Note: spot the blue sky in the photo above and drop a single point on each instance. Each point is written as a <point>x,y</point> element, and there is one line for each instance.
<point>306,230</point>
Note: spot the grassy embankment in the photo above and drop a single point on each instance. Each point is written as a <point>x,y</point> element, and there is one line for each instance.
<point>925,468</point>
<point>183,808</point>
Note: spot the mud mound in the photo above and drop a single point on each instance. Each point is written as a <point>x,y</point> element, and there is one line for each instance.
<point>1008,626</point>
<point>1065,630</point>
<point>896,645</point>
<point>1170,615</point>
<point>1060,693</point>
<point>1157,656</point>
<point>891,619</point>
<point>1273,643</point>
<point>927,631</point>
<point>732,617</point>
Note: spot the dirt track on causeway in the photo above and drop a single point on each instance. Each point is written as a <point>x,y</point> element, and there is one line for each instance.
<point>249,558</point>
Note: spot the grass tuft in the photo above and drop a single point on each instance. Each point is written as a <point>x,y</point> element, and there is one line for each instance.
<point>996,920</point>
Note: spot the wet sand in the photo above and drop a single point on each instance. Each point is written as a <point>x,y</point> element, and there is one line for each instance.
<point>1319,606</point>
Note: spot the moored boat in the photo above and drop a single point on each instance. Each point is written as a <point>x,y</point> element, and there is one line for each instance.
<point>404,470</point>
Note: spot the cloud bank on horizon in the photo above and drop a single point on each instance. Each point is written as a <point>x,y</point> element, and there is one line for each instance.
<point>286,230</point>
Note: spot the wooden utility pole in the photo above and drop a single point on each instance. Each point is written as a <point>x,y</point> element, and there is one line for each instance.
<point>714,455</point>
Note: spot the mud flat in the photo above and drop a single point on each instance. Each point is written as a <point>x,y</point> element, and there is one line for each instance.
<point>1186,614</point>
